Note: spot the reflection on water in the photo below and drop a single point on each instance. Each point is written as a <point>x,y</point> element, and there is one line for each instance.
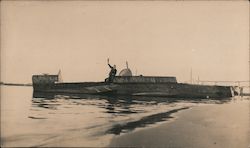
<point>151,119</point>
<point>150,110</point>
<point>74,119</point>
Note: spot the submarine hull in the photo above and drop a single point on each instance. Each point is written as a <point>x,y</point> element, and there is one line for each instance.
<point>134,86</point>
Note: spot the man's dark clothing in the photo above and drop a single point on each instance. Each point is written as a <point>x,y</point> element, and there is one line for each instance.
<point>112,73</point>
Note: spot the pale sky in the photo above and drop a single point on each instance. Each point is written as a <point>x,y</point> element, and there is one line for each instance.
<point>157,38</point>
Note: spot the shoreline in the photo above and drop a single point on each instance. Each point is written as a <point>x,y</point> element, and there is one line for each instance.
<point>212,125</point>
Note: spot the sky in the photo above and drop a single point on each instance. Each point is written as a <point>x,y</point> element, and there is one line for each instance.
<point>157,38</point>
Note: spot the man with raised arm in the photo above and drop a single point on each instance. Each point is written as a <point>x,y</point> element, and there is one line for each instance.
<point>112,72</point>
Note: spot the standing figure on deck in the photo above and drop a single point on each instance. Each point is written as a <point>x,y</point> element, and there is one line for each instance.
<point>112,73</point>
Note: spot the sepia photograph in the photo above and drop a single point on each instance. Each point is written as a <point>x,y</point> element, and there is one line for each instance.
<point>126,73</point>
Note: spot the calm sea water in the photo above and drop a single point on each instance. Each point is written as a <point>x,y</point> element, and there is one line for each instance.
<point>29,119</point>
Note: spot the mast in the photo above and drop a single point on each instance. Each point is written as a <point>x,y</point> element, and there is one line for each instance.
<point>191,76</point>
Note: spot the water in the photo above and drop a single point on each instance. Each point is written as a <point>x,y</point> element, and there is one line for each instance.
<point>29,119</point>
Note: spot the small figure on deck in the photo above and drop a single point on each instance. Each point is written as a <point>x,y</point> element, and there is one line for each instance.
<point>241,91</point>
<point>112,73</point>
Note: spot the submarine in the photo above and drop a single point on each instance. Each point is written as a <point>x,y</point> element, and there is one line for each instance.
<point>127,84</point>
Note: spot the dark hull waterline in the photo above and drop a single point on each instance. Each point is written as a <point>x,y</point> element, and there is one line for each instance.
<point>138,89</point>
